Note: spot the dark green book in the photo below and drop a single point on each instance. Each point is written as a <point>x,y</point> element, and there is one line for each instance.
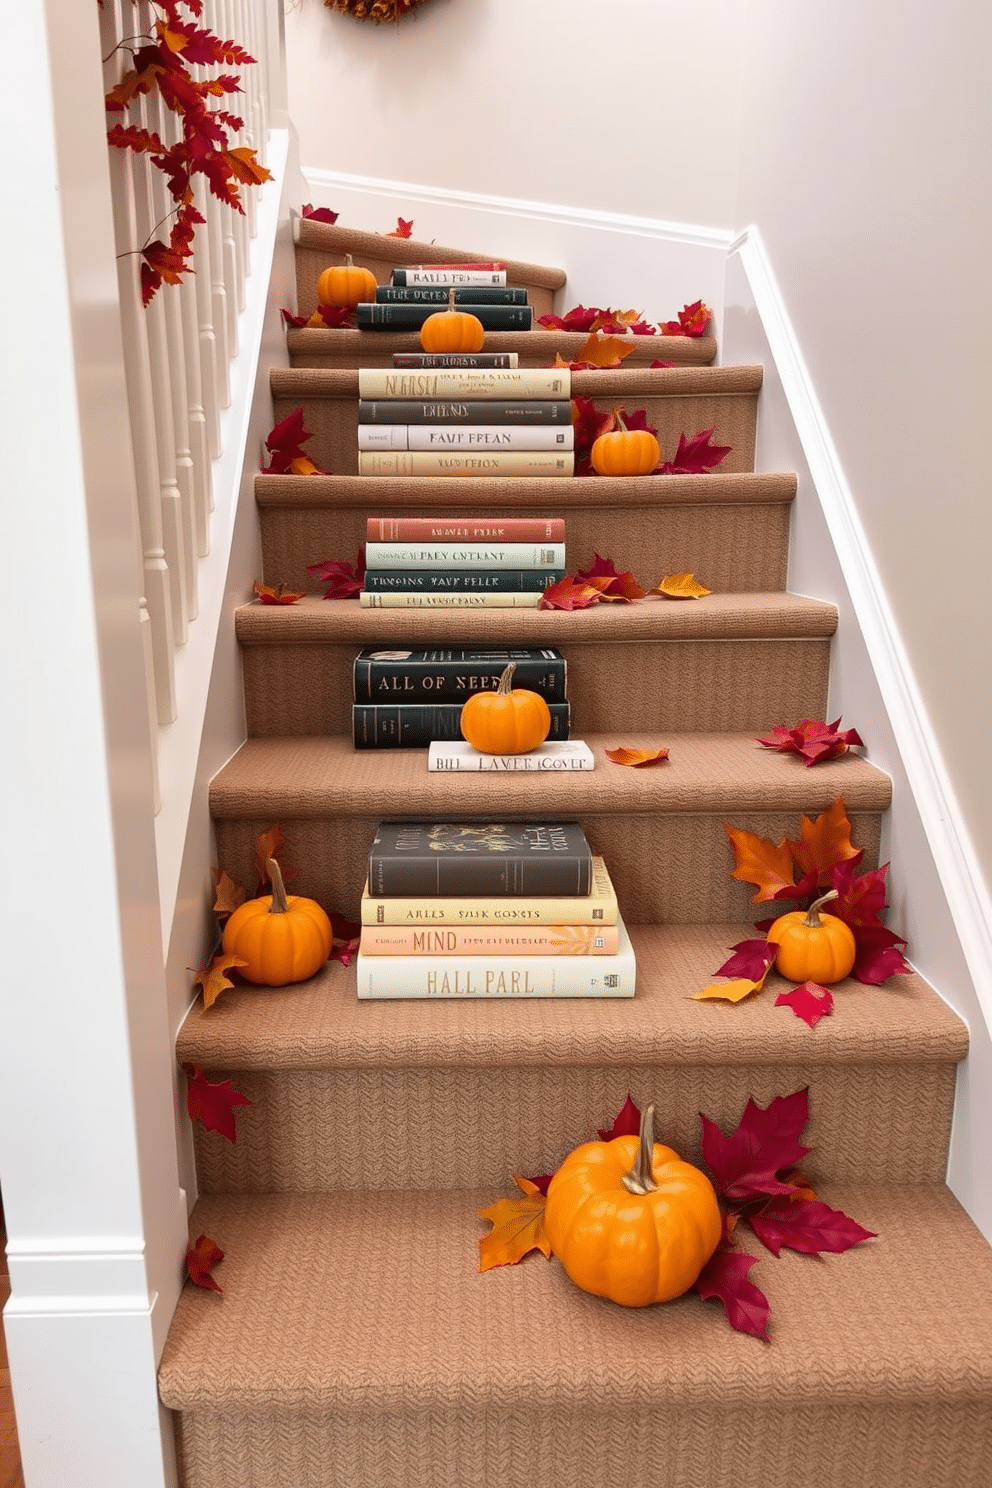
<point>372,316</point>
<point>449,859</point>
<point>437,296</point>
<point>416,725</point>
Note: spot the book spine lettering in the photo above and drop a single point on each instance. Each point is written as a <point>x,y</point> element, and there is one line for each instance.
<point>464,437</point>
<point>467,556</point>
<point>442,275</point>
<point>452,681</point>
<point>414,599</point>
<point>455,359</point>
<point>538,761</point>
<point>369,315</point>
<point>599,907</point>
<point>549,940</point>
<point>548,463</point>
<point>462,580</point>
<point>451,382</point>
<point>470,412</point>
<point>415,725</point>
<point>437,295</point>
<point>465,529</point>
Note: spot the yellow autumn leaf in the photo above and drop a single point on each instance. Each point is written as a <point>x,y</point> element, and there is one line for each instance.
<point>517,1228</point>
<point>733,991</point>
<point>213,979</point>
<point>683,585</point>
<point>624,755</point>
<point>229,895</point>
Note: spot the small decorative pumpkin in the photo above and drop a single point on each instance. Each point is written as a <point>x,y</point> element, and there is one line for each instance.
<point>345,285</point>
<point>631,1221</point>
<point>813,947</point>
<point>281,937</point>
<point>452,330</point>
<point>625,451</point>
<point>511,720</point>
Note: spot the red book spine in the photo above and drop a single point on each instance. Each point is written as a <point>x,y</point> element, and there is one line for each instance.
<point>465,529</point>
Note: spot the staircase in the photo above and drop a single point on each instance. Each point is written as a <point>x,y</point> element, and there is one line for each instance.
<point>356,1345</point>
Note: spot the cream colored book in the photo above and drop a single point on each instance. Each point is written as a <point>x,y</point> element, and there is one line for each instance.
<point>596,908</point>
<point>458,382</point>
<point>414,599</point>
<point>464,463</point>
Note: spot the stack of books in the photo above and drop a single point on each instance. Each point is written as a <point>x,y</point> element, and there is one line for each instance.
<point>464,417</point>
<point>419,290</point>
<point>461,563</point>
<point>515,909</point>
<point>408,699</point>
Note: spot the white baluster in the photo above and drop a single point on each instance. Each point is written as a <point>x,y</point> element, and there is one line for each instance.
<point>198,443</point>
<point>209,355</point>
<point>218,287</point>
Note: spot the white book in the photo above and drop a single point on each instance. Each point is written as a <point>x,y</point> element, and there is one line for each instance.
<point>490,464</point>
<point>420,599</point>
<point>560,755</point>
<point>465,437</point>
<point>444,278</point>
<point>390,555</point>
<point>426,977</point>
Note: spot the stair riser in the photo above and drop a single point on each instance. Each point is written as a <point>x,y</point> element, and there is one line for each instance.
<point>931,1444</point>
<point>333,423</point>
<point>321,1130</point>
<point>739,549</point>
<point>667,869</point>
<point>680,686</point>
<point>330,349</point>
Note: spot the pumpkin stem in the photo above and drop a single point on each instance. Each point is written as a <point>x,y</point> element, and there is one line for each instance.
<point>640,1179</point>
<point>812,916</point>
<point>506,680</point>
<point>451,298</point>
<point>280,904</point>
<point>618,416</point>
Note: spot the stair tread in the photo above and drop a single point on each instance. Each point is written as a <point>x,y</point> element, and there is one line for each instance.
<point>658,382</point>
<point>368,1301</point>
<point>348,344</point>
<point>336,240</point>
<point>389,491</point>
<point>321,1024</point>
<point>312,777</point>
<point>313,620</point>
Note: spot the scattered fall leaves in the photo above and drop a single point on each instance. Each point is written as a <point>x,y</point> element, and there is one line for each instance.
<point>517,1228</point>
<point>319,214</point>
<point>279,595</point>
<point>285,443</point>
<point>602,575</point>
<point>201,1258</point>
<point>402,229</point>
<point>636,757</point>
<point>812,739</point>
<point>692,320</point>
<point>212,1101</point>
<point>602,581</point>
<point>696,455</point>
<point>344,580</point>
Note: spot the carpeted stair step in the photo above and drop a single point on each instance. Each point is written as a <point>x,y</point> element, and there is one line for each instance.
<point>659,828</point>
<point>677,400</point>
<point>321,244</point>
<point>732,531</point>
<point>356,1343</point>
<point>347,347</point>
<point>450,1094</point>
<point>741,662</point>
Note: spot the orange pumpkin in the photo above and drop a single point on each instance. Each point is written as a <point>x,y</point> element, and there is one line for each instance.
<point>345,284</point>
<point>281,937</point>
<point>511,720</point>
<point>625,451</point>
<point>631,1221</point>
<point>452,330</point>
<point>813,947</point>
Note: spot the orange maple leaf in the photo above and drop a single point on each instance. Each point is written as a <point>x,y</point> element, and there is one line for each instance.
<point>734,990</point>
<point>760,862</point>
<point>245,166</point>
<point>402,229</point>
<point>824,842</point>
<point>517,1228</point>
<point>229,895</point>
<point>604,351</point>
<point>683,585</point>
<point>569,594</point>
<point>279,595</point>
<point>201,1258</point>
<point>270,845</point>
<point>624,756</point>
<point>213,979</point>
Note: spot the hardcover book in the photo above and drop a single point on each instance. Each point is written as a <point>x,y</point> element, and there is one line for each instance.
<point>455,358</point>
<point>598,907</point>
<point>464,555</point>
<point>370,316</point>
<point>523,411</point>
<point>561,756</point>
<point>445,676</point>
<point>414,599</point>
<point>519,940</point>
<point>493,463</point>
<point>452,859</point>
<point>436,295</point>
<point>521,975</point>
<point>461,580</point>
<point>415,725</point>
<point>508,383</point>
<point>445,275</point>
<point>465,529</point>
<point>457,437</point>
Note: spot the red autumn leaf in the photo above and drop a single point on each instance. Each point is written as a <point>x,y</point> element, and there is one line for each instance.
<point>824,842</point>
<point>765,1140</point>
<point>344,580</point>
<point>588,422</point>
<point>285,444</point>
<point>811,1002</point>
<point>636,757</point>
<point>279,595</point>
<point>201,1258</point>
<point>612,585</point>
<point>812,739</point>
<point>752,959</point>
<point>129,137</point>
<point>347,935</point>
<point>579,318</point>
<point>759,862</point>
<point>725,1276</point>
<point>541,1182</point>
<point>200,46</point>
<point>692,321</point>
<point>806,1225</point>
<point>319,214</point>
<point>568,594</point>
<point>860,899</point>
<point>296,321</point>
<point>212,1102</point>
<point>402,229</point>
<point>330,317</point>
<point>695,456</point>
<point>627,1123</point>
<point>877,957</point>
<point>657,363</point>
<point>642,328</point>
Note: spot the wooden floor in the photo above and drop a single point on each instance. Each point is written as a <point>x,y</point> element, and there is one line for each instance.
<point>10,1458</point>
